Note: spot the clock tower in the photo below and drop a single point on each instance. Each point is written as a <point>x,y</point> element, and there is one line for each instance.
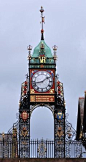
<point>42,88</point>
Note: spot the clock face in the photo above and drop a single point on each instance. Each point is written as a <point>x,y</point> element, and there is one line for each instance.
<point>42,81</point>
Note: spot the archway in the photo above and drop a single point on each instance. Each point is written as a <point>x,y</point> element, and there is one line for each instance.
<point>42,131</point>
<point>42,123</point>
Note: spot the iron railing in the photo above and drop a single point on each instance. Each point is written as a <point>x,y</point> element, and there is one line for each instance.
<point>41,149</point>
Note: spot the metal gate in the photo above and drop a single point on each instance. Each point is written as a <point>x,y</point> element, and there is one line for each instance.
<point>41,149</point>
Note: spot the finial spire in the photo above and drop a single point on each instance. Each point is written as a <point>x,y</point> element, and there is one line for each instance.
<point>42,31</point>
<point>55,51</point>
<point>29,48</point>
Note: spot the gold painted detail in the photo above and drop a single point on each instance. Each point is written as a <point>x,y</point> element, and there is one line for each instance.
<point>42,59</point>
<point>80,135</point>
<point>42,98</point>
<point>59,132</point>
<point>51,91</point>
<point>24,132</point>
<point>24,143</point>
<point>32,98</point>
<point>32,91</point>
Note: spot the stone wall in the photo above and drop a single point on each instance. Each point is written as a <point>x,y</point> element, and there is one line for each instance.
<point>43,160</point>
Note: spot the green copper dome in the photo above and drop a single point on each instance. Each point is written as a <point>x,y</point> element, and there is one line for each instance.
<point>42,54</point>
<point>37,50</point>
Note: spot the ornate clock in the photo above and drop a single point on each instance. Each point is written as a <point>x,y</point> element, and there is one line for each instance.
<point>42,81</point>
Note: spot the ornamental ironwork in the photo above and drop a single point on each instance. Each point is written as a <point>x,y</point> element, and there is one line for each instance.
<point>42,87</point>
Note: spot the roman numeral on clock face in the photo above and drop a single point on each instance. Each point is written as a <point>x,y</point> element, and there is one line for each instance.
<point>34,83</point>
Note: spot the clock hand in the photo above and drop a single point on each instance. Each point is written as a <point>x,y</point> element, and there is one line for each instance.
<point>46,78</point>
<point>39,81</point>
<point>43,80</point>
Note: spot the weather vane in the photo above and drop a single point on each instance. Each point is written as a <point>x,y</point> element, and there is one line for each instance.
<point>42,21</point>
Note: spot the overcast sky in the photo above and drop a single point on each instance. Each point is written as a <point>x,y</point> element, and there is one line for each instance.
<point>65,26</point>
